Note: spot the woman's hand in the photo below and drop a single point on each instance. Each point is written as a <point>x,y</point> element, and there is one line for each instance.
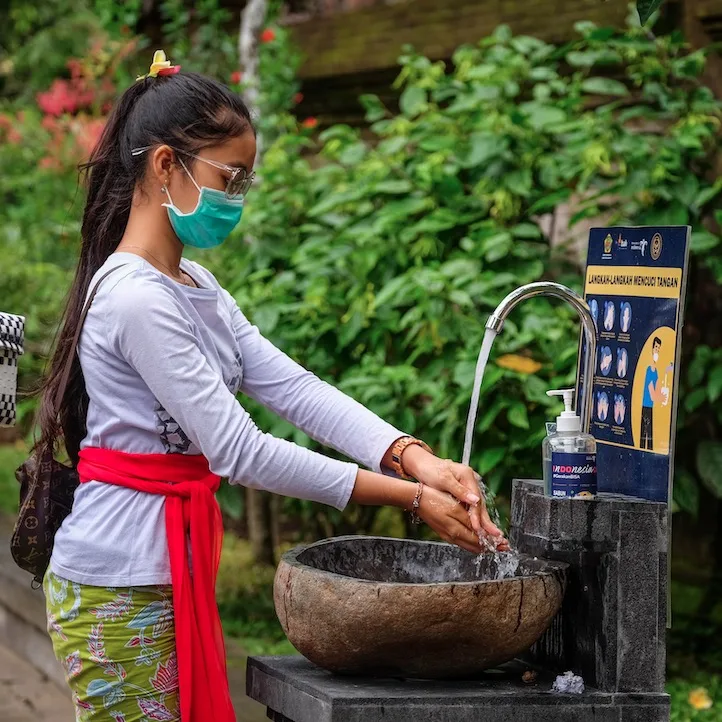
<point>448,518</point>
<point>462,482</point>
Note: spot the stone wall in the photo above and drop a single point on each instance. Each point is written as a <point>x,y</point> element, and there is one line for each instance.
<point>353,41</point>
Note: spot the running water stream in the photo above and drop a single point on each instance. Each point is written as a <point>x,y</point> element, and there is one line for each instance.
<point>505,563</point>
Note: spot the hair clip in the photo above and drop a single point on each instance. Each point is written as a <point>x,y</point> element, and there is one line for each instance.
<point>160,66</point>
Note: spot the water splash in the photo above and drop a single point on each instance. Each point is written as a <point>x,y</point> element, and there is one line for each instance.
<point>505,563</point>
<point>484,352</point>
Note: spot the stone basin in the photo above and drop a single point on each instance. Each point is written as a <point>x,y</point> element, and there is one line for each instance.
<point>419,609</point>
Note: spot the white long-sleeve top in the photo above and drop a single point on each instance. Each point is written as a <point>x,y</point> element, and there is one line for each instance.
<point>163,363</point>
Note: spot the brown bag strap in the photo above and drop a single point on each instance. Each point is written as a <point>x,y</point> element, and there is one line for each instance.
<point>71,355</point>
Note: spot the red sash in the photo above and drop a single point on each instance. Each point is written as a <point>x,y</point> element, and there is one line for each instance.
<point>191,508</point>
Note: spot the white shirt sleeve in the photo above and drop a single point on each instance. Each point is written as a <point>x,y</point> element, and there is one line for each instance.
<point>147,328</point>
<point>319,409</point>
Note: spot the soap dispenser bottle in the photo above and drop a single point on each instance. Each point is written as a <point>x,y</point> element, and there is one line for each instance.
<point>570,456</point>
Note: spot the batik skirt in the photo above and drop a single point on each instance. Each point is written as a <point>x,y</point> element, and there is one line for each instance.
<point>117,647</point>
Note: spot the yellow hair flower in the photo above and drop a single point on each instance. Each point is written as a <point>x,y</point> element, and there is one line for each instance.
<point>160,66</point>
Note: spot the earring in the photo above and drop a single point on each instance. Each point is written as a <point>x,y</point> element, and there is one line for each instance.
<point>164,189</point>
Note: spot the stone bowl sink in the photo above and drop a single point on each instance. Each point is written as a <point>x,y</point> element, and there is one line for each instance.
<point>404,608</point>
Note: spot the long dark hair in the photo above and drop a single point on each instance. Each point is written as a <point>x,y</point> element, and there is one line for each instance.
<point>186,111</point>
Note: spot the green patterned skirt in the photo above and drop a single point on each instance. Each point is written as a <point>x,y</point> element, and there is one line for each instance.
<point>117,646</point>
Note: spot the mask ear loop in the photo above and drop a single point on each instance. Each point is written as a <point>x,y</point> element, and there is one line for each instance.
<point>167,191</point>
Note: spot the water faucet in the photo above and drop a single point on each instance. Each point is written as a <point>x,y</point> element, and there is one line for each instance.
<point>546,288</point>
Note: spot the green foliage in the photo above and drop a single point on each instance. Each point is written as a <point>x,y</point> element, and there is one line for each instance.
<point>647,8</point>
<point>11,456</point>
<point>377,261</point>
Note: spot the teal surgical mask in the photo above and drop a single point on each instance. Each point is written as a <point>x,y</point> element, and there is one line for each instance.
<point>210,222</point>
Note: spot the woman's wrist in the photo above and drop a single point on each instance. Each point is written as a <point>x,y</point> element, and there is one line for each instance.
<point>374,489</point>
<point>414,458</point>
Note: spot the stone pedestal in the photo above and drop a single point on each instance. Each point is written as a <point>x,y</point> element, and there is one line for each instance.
<point>611,630</point>
<point>294,690</point>
<point>612,625</point>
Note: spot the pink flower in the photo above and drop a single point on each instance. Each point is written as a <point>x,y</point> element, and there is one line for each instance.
<point>170,71</point>
<point>65,97</point>
<point>298,98</point>
<point>49,123</point>
<point>268,36</point>
<point>75,68</point>
<point>58,99</point>
<point>236,77</point>
<point>14,137</point>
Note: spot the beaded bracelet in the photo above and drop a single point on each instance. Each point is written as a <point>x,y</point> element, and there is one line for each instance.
<point>415,518</point>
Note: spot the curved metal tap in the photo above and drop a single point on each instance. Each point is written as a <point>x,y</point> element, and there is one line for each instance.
<point>545,288</point>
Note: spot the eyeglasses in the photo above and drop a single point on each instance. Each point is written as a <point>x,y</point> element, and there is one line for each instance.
<point>238,184</point>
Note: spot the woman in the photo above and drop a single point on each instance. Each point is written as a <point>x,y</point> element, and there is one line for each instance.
<point>151,415</point>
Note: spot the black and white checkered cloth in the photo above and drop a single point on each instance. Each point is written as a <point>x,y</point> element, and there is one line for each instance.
<point>12,337</point>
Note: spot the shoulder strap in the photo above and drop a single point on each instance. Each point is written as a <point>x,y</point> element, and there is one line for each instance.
<point>71,355</point>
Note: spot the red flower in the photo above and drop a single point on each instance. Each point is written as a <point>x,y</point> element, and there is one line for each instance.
<point>236,77</point>
<point>75,68</point>
<point>49,123</point>
<point>310,123</point>
<point>13,137</point>
<point>65,97</point>
<point>169,71</point>
<point>298,98</point>
<point>268,36</point>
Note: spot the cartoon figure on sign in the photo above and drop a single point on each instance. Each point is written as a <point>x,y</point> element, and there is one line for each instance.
<point>608,241</point>
<point>620,409</point>
<point>605,360</point>
<point>626,317</point>
<point>622,359</point>
<point>652,394</point>
<point>602,406</point>
<point>608,315</point>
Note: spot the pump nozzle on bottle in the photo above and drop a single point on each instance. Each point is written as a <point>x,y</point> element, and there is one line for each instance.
<point>567,420</point>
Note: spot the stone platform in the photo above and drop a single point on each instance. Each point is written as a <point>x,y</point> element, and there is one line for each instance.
<point>294,690</point>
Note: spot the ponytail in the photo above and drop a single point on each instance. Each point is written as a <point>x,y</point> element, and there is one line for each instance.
<point>187,111</point>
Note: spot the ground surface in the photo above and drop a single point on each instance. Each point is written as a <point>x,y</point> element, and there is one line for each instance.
<point>28,696</point>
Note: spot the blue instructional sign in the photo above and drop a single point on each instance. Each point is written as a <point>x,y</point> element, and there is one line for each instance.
<point>635,286</point>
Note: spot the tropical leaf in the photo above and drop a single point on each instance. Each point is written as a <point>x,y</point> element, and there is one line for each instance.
<point>646,8</point>
<point>100,687</point>
<point>165,679</point>
<point>709,466</point>
<point>122,604</point>
<point>148,616</point>
<point>155,710</point>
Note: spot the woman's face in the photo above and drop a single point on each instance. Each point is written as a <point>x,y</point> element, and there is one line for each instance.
<point>239,152</point>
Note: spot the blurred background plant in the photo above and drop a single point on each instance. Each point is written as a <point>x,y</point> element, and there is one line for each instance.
<point>373,253</point>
